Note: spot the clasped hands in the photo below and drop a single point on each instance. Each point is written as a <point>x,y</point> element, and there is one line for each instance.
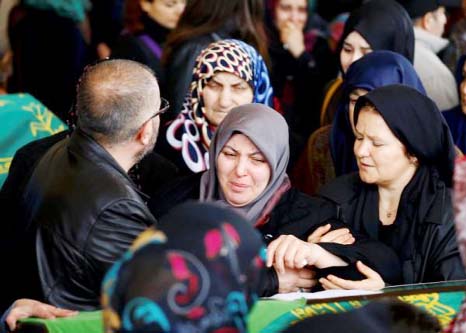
<point>295,262</point>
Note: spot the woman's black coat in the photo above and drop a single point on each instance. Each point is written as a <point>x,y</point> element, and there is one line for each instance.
<point>425,231</point>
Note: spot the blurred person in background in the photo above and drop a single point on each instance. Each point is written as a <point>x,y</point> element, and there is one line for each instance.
<point>147,24</point>
<point>302,64</point>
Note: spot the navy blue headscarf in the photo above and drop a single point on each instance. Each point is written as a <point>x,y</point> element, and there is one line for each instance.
<point>455,117</point>
<point>377,69</point>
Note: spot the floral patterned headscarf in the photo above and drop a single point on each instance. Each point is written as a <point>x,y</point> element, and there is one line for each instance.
<point>199,272</point>
<point>190,133</point>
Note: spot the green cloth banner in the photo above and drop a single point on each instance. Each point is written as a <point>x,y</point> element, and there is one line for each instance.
<point>442,300</point>
<point>271,317</point>
<point>23,119</point>
<point>84,322</point>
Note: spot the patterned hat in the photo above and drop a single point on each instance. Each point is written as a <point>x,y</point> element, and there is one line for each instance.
<point>199,272</point>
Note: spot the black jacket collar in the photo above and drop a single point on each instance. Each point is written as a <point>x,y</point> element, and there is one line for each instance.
<point>85,145</point>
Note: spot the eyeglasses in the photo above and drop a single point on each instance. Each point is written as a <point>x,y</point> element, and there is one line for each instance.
<point>164,106</point>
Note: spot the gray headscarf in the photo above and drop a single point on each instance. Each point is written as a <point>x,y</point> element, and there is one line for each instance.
<point>268,130</point>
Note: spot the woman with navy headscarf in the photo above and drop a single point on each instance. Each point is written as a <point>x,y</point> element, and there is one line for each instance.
<point>377,69</point>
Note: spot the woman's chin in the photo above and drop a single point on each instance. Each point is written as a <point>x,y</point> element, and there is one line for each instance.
<point>367,178</point>
<point>237,201</point>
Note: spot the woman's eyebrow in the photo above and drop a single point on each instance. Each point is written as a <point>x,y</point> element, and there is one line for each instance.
<point>230,147</point>
<point>216,81</point>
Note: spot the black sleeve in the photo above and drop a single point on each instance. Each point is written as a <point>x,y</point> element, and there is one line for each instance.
<point>374,254</point>
<point>269,285</point>
<point>153,172</point>
<point>444,261</point>
<point>174,193</point>
<point>117,227</point>
<point>299,215</point>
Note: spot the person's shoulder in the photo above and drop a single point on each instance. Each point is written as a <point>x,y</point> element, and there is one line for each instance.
<point>298,213</point>
<point>153,172</point>
<point>342,189</point>
<point>37,148</point>
<point>28,155</point>
<point>175,192</point>
<point>125,46</point>
<point>89,168</point>
<point>297,205</point>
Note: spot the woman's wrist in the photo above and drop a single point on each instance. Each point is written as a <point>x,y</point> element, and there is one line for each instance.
<point>321,258</point>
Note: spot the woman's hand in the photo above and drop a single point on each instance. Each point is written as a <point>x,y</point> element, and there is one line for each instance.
<point>296,280</point>
<point>373,282</point>
<point>292,38</point>
<point>289,251</point>
<point>324,235</point>
<point>25,308</point>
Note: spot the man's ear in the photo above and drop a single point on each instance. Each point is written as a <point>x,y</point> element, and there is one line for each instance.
<point>427,20</point>
<point>145,133</point>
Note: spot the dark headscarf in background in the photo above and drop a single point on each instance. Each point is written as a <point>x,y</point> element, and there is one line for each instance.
<point>268,130</point>
<point>199,272</point>
<point>385,25</point>
<point>416,121</point>
<point>455,117</point>
<point>377,69</point>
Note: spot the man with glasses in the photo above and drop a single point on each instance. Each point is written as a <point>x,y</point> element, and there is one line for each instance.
<point>86,208</point>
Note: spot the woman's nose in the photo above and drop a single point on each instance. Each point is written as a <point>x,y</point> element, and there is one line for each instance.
<point>225,98</point>
<point>241,167</point>
<point>294,16</point>
<point>361,148</point>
